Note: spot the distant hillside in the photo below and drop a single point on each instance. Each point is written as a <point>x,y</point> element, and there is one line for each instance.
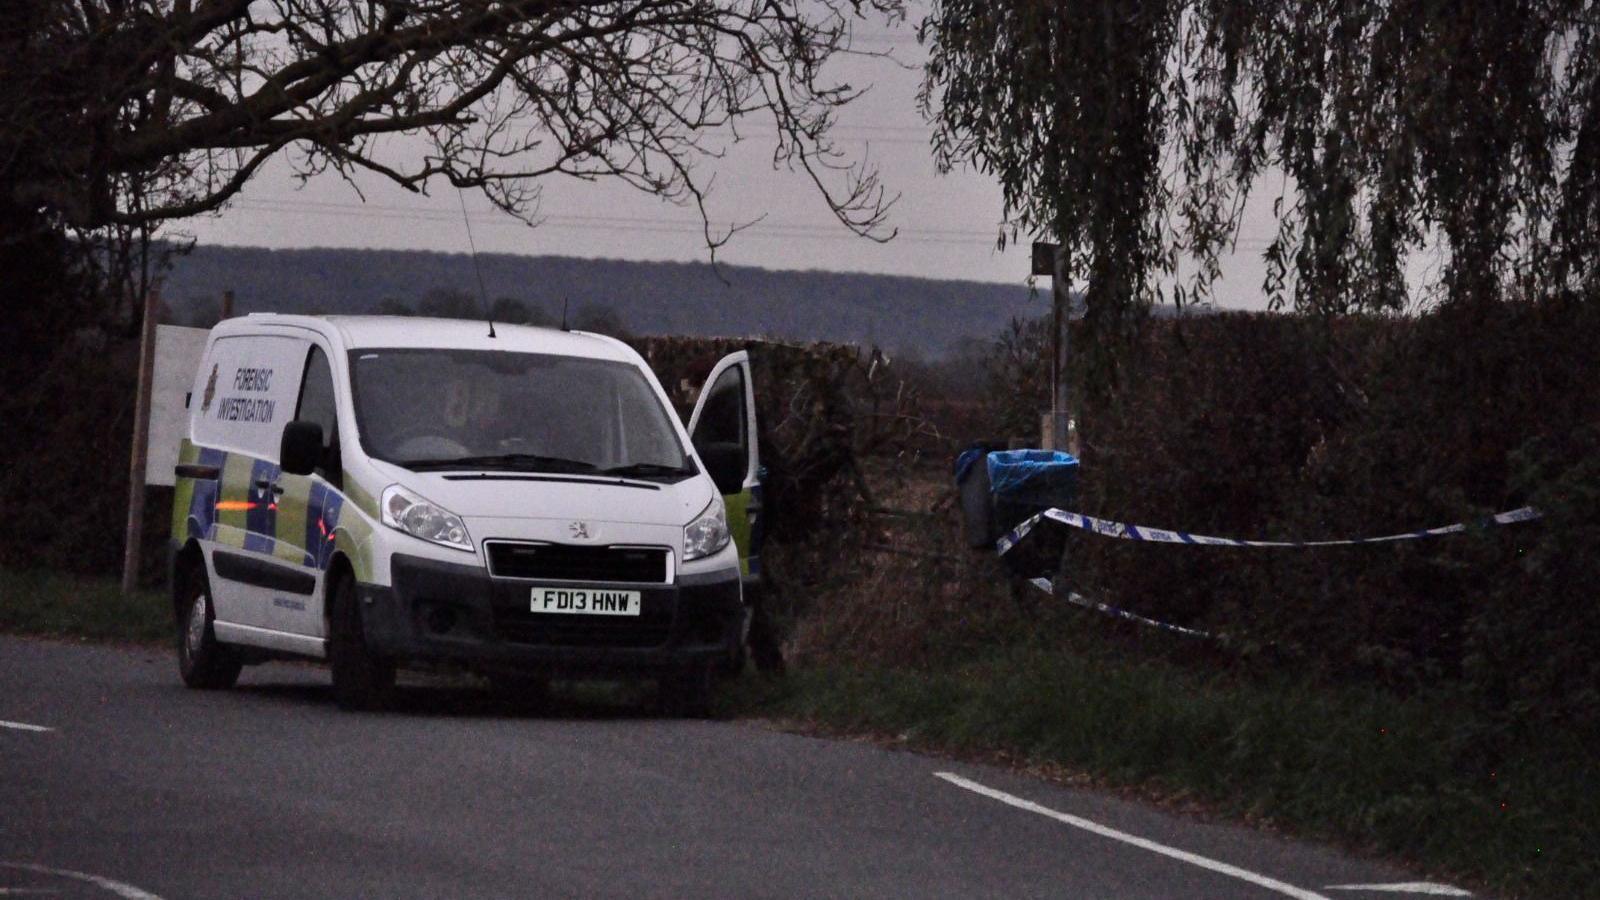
<point>650,297</point>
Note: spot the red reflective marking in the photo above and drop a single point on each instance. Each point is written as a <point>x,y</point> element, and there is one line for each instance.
<point>235,504</point>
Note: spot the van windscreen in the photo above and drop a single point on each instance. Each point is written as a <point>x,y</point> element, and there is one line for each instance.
<point>434,409</point>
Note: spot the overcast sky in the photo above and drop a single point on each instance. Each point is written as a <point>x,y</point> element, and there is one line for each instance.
<point>947,223</point>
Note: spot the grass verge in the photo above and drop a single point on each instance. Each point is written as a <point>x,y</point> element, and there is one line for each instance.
<point>1400,778</point>
<point>58,605</point>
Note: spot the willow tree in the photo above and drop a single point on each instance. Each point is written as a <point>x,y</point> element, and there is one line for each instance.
<point>1133,131</point>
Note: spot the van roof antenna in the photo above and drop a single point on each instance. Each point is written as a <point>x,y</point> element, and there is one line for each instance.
<point>483,295</point>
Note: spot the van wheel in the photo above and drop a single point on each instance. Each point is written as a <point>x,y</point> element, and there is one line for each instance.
<point>362,679</point>
<point>202,661</point>
<point>686,692</point>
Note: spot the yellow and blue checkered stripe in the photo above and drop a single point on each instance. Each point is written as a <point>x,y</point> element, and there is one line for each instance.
<point>305,525</point>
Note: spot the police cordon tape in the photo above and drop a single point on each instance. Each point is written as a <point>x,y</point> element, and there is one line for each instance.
<point>1078,599</point>
<point>1124,531</point>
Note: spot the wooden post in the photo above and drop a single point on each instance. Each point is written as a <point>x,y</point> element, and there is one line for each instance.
<point>141,436</point>
<point>1060,417</point>
<point>1056,430</point>
<point>227,304</point>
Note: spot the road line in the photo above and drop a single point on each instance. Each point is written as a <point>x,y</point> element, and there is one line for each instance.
<point>23,726</point>
<point>1270,884</point>
<point>1405,887</point>
<point>125,891</point>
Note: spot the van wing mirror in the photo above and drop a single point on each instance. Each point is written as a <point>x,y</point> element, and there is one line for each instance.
<point>301,449</point>
<point>726,464</point>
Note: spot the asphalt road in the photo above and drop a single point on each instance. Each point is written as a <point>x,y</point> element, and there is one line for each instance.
<point>143,789</point>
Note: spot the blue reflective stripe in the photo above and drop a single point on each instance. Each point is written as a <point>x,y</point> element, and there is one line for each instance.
<point>322,517</point>
<point>332,509</point>
<point>261,519</point>
<point>312,539</point>
<point>203,503</point>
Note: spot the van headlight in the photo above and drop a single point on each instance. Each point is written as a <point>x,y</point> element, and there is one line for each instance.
<point>421,518</point>
<point>708,533</point>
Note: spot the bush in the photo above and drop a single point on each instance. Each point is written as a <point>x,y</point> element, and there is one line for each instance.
<point>65,486</point>
<point>1274,426</point>
<point>1299,428</point>
<point>1529,648</point>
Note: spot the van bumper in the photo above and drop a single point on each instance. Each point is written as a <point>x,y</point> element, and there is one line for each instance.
<point>443,612</point>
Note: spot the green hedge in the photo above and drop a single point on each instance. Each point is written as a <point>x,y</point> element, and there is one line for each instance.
<point>1292,427</point>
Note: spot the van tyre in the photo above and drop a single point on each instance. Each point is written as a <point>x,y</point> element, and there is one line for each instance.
<point>203,662</point>
<point>686,692</point>
<point>760,643</point>
<point>362,679</point>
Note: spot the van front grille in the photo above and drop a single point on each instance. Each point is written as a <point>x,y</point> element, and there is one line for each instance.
<point>552,633</point>
<point>567,562</point>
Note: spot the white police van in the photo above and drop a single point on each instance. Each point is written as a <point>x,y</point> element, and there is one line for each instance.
<point>377,491</point>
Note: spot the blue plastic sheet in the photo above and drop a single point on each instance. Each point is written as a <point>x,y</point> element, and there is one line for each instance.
<point>1048,477</point>
<point>965,460</point>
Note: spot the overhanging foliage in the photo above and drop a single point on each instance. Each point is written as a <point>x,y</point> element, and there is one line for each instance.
<point>1133,131</point>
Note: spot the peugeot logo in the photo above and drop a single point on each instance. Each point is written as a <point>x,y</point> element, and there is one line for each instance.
<point>579,529</point>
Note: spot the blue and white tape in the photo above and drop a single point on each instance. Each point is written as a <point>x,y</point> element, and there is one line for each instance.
<point>1078,599</point>
<point>1124,531</point>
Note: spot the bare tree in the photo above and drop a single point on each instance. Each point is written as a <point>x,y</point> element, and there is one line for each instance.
<point>191,97</point>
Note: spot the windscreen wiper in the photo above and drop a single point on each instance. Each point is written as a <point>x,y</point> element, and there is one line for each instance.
<point>517,462</point>
<point>647,470</point>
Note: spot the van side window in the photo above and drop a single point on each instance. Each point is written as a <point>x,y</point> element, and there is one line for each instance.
<point>318,404</point>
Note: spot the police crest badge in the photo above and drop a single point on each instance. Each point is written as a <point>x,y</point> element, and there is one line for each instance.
<point>210,392</point>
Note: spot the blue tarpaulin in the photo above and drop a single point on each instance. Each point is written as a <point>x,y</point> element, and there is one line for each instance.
<point>1000,488</point>
<point>1047,477</point>
<point>966,459</point>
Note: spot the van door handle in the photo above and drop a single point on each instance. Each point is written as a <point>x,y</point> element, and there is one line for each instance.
<point>264,484</point>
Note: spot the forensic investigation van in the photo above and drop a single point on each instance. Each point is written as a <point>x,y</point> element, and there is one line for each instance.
<point>522,502</point>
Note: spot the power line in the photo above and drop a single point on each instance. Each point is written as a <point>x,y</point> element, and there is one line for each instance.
<point>633,224</point>
<point>495,215</point>
<point>636,224</point>
<point>902,135</point>
<point>842,127</point>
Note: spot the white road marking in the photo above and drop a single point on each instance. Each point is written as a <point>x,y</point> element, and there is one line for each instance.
<point>1405,887</point>
<point>23,726</point>
<point>125,891</point>
<point>1270,884</point>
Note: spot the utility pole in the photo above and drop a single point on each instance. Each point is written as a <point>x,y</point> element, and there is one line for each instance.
<point>1049,259</point>
<point>134,535</point>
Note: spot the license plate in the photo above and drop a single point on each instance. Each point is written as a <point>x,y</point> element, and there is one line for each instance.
<point>586,602</point>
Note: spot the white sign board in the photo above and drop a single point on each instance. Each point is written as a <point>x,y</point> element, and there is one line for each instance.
<point>178,351</point>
